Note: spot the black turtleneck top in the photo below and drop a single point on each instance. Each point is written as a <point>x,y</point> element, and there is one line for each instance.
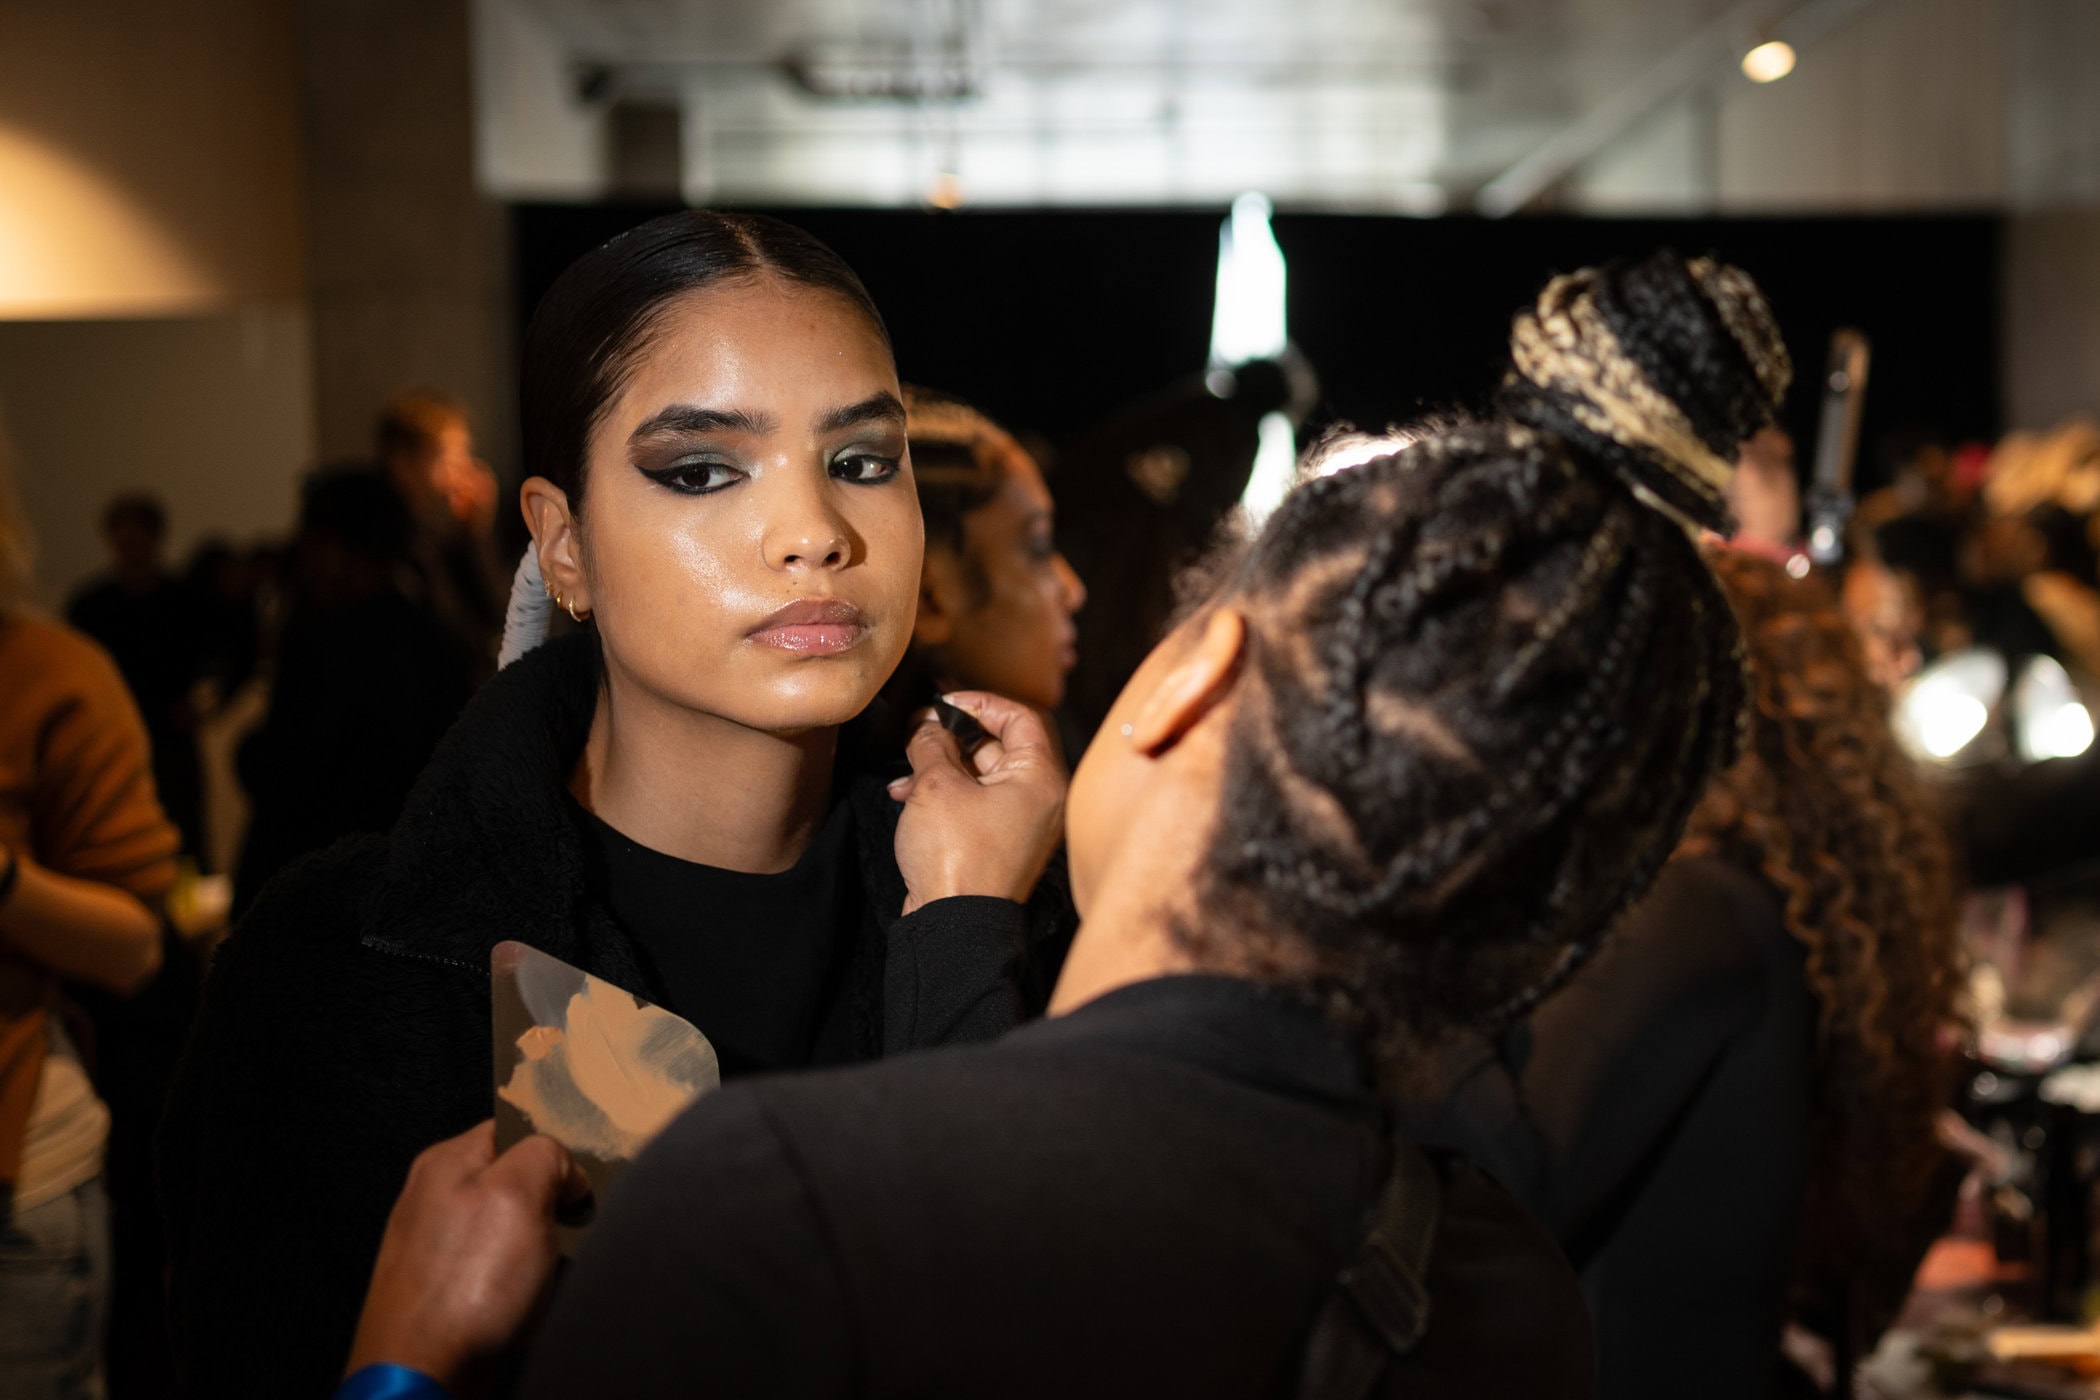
<point>756,962</point>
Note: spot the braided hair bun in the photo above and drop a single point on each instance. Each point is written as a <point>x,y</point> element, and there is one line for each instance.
<point>1659,369</point>
<point>1489,673</point>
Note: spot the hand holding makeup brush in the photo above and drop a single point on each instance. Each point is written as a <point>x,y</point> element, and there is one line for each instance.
<point>985,824</point>
<point>466,1258</point>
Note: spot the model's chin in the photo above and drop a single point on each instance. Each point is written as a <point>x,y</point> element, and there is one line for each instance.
<point>814,692</point>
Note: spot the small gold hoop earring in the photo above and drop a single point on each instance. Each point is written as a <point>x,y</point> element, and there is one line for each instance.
<point>566,606</point>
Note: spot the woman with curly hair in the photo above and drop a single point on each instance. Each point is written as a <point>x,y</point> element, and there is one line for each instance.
<point>1828,810</point>
<point>1727,1119</point>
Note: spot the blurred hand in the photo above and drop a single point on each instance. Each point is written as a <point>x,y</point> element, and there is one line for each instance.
<point>467,1255</point>
<point>986,826</point>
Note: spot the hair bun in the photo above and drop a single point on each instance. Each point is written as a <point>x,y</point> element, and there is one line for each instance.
<point>1659,368</point>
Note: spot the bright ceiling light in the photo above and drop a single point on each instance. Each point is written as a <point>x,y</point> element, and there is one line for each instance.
<point>1948,704</point>
<point>1946,725</point>
<point>1248,321</point>
<point>1275,469</point>
<point>2050,719</point>
<point>1248,324</point>
<point>1769,61</point>
<point>2066,733</point>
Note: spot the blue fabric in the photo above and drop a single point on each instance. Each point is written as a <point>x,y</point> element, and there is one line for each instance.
<point>386,1381</point>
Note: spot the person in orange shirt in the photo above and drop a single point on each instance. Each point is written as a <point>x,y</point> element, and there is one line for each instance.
<point>86,856</point>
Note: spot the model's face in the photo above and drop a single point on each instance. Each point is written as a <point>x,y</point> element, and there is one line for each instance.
<point>750,539</point>
<point>1014,595</point>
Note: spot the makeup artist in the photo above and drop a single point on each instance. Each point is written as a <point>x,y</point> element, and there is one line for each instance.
<point>720,492</point>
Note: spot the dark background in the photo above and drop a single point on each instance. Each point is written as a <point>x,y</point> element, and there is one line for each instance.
<point>1051,321</point>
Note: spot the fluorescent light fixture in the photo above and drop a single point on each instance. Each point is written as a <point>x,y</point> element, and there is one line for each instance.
<point>1248,320</point>
<point>1769,61</point>
<point>1247,324</point>
<point>1275,470</point>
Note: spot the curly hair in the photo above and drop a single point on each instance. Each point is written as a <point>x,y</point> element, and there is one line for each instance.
<point>1489,674</point>
<point>1830,811</point>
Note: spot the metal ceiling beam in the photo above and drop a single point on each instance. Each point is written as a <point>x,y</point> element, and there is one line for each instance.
<point>1708,54</point>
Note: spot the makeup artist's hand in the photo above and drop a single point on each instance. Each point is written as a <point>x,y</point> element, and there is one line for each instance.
<point>467,1256</point>
<point>985,825</point>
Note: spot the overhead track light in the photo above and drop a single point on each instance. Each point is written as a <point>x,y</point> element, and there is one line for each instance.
<point>1769,61</point>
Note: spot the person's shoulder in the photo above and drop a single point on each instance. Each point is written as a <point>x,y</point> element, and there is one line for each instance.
<point>1705,909</point>
<point>53,648</point>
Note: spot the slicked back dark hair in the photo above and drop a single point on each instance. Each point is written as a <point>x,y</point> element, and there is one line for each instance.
<point>1490,675</point>
<point>599,315</point>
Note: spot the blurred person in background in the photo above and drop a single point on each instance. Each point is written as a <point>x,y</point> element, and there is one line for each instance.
<point>996,598</point>
<point>1728,1117</point>
<point>426,449</point>
<point>1142,496</point>
<point>1765,496</point>
<point>367,680</point>
<point>147,621</point>
<point>86,857</point>
<point>222,581</point>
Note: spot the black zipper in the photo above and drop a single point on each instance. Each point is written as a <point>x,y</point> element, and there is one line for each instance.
<point>392,951</point>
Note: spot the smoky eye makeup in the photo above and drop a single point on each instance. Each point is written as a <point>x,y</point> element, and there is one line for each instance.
<point>702,478</point>
<point>682,468</point>
<point>861,468</point>
<point>871,462</point>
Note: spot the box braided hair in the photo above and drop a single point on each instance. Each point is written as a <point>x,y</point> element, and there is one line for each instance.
<point>1490,674</point>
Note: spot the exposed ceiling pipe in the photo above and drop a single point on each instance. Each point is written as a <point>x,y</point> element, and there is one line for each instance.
<point>1708,54</point>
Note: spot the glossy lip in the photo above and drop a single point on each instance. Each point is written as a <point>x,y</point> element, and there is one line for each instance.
<point>813,627</point>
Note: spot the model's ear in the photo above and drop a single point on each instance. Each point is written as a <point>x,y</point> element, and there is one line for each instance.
<point>557,538</point>
<point>944,596</point>
<point>1200,677</point>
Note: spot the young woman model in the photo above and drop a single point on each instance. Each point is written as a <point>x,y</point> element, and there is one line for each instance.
<point>1441,722</point>
<point>719,486</point>
<point>1742,1089</point>
<point>996,600</point>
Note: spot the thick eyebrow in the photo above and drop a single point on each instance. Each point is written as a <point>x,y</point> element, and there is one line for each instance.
<point>686,418</point>
<point>877,408</point>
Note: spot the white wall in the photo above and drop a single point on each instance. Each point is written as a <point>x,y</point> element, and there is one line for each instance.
<point>211,413</point>
<point>153,330</point>
<point>148,156</point>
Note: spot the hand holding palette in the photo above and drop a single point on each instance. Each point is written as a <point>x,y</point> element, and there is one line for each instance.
<point>596,1068</point>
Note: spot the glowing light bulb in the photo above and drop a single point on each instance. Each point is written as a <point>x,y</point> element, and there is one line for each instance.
<point>1949,722</point>
<point>946,191</point>
<point>1769,61</point>
<point>2067,733</point>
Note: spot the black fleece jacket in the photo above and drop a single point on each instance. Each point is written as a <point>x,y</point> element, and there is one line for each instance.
<point>345,1026</point>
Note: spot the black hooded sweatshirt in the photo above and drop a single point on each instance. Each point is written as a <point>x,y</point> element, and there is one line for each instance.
<point>345,1026</point>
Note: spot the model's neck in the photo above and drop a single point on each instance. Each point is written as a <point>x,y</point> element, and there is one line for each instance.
<point>703,788</point>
